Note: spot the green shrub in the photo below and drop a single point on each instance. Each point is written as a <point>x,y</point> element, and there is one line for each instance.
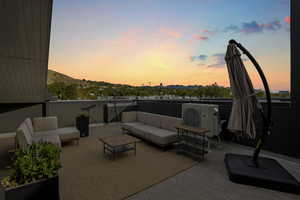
<point>36,162</point>
<point>83,114</point>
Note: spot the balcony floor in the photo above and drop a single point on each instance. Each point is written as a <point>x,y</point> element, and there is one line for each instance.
<point>208,180</point>
<point>152,174</point>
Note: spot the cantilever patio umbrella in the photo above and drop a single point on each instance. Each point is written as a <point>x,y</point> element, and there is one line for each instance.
<point>252,170</point>
<point>244,105</point>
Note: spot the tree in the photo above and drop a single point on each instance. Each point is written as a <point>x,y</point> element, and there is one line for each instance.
<point>260,93</point>
<point>63,91</point>
<point>70,92</point>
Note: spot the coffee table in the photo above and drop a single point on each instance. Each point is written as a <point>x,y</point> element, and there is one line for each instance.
<point>118,144</point>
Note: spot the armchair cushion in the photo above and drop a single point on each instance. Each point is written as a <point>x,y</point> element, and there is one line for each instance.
<point>28,123</point>
<point>65,134</point>
<point>45,123</point>
<point>23,136</point>
<point>49,138</point>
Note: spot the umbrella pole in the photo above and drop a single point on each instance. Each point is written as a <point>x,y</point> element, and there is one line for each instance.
<point>266,117</point>
<point>252,170</point>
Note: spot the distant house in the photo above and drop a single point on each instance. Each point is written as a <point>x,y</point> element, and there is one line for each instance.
<point>284,93</point>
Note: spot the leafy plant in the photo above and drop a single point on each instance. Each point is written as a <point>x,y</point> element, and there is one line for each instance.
<point>36,162</point>
<point>83,114</point>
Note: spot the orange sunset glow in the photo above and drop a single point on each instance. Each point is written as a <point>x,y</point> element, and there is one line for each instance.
<point>185,49</point>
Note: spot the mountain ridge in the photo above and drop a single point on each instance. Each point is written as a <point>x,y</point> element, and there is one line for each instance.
<point>54,76</point>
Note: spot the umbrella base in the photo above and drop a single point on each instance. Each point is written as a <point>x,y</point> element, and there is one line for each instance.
<point>270,174</point>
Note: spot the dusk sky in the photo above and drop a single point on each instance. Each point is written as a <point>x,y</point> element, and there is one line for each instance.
<point>169,41</point>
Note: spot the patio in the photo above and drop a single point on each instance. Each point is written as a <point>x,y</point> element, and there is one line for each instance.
<point>152,173</point>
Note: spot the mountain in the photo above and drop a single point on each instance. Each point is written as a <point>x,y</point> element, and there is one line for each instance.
<point>54,76</point>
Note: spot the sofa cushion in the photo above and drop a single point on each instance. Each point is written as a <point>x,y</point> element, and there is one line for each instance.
<point>45,123</point>
<point>153,120</point>
<point>129,116</point>
<point>23,136</point>
<point>130,125</point>
<point>151,133</point>
<point>161,136</point>
<point>65,134</point>
<point>49,138</point>
<point>28,123</point>
<point>141,117</point>
<point>149,119</point>
<point>135,128</point>
<point>169,123</point>
<point>68,134</point>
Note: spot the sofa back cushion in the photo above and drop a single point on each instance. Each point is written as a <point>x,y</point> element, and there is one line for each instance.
<point>129,116</point>
<point>149,119</point>
<point>45,123</point>
<point>23,136</point>
<point>141,117</point>
<point>29,125</point>
<point>169,123</point>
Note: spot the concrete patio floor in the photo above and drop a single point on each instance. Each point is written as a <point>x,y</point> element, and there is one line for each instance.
<point>208,180</point>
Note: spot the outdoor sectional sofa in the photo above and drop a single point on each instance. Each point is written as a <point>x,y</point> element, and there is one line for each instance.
<point>158,129</point>
<point>44,129</point>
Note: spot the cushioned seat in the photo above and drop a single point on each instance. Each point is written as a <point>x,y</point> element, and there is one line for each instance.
<point>158,129</point>
<point>151,133</point>
<point>44,129</point>
<point>51,138</point>
<point>65,134</point>
<point>25,137</point>
<point>161,136</point>
<point>68,133</point>
<point>136,128</point>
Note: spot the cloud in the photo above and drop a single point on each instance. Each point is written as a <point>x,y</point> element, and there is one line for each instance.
<point>208,32</point>
<point>171,33</point>
<point>251,27</point>
<point>288,19</point>
<point>232,28</point>
<point>254,27</point>
<point>201,57</point>
<point>204,34</point>
<point>273,26</point>
<point>219,55</point>
<point>199,37</point>
<point>218,61</point>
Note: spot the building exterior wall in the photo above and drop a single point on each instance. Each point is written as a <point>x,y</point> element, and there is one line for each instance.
<point>24,38</point>
<point>9,121</point>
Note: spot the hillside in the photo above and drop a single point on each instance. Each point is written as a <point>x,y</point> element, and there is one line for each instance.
<point>54,76</point>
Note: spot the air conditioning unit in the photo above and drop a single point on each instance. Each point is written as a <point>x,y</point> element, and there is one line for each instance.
<point>202,116</point>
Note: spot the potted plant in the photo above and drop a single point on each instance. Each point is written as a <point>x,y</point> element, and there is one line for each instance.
<point>82,124</point>
<point>34,174</point>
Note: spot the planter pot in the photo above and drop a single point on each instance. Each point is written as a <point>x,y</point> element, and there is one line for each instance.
<point>82,124</point>
<point>47,189</point>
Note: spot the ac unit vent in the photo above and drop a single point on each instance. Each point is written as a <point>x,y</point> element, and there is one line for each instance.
<point>202,116</point>
<point>191,117</point>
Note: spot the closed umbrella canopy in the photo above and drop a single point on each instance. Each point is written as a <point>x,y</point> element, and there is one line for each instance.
<point>252,170</point>
<point>245,105</point>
